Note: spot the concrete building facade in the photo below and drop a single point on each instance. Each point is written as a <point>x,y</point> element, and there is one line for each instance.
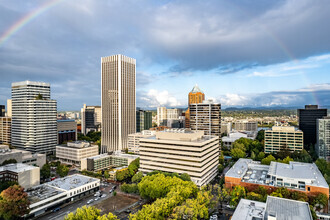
<point>74,153</point>
<point>206,117</point>
<point>118,101</point>
<point>245,125</point>
<point>27,176</point>
<point>5,130</point>
<point>134,140</point>
<point>283,138</point>
<point>34,122</point>
<point>181,151</point>
<point>195,96</point>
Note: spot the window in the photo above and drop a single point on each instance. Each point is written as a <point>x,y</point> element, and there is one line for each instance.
<point>308,189</point>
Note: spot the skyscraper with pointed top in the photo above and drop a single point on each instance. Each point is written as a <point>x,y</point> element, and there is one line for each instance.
<point>195,96</point>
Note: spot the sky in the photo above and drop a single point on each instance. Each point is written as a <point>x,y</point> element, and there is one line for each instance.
<point>241,53</point>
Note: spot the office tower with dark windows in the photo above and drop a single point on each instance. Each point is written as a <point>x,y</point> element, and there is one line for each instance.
<point>206,117</point>
<point>143,120</point>
<point>118,101</point>
<point>34,122</point>
<point>307,122</point>
<point>91,118</point>
<point>2,111</point>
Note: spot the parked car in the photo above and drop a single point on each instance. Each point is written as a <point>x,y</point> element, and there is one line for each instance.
<point>97,194</point>
<point>90,201</point>
<point>56,209</point>
<point>128,211</point>
<point>111,190</point>
<point>97,198</point>
<point>104,195</point>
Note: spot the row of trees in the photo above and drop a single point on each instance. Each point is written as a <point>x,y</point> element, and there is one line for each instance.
<point>127,174</point>
<point>89,213</point>
<point>61,169</point>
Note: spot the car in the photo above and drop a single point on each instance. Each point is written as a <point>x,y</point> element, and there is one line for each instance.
<point>56,209</point>
<point>97,198</point>
<point>128,211</point>
<point>90,201</point>
<point>97,194</point>
<point>214,217</point>
<point>104,195</point>
<point>111,190</point>
<point>114,187</point>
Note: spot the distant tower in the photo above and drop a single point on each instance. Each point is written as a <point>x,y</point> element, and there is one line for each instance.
<point>118,101</point>
<point>34,117</point>
<point>307,122</point>
<point>195,96</point>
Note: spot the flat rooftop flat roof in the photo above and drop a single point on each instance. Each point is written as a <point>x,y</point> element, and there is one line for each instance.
<point>99,156</point>
<point>71,182</point>
<point>42,192</point>
<point>249,210</point>
<point>17,167</point>
<point>254,172</point>
<point>287,209</point>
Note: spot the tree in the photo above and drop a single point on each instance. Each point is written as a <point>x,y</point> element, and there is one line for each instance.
<point>62,170</point>
<point>260,156</point>
<point>5,184</point>
<point>8,162</point>
<point>267,160</point>
<point>13,202</point>
<point>129,188</point>
<point>237,153</point>
<point>122,175</point>
<point>237,193</point>
<point>89,213</point>
<point>45,171</point>
<point>295,195</point>
<point>185,177</point>
<point>134,166</point>
<point>320,200</point>
<point>137,177</point>
<point>322,165</point>
<point>261,136</point>
<point>255,196</point>
<point>287,160</point>
<point>220,168</point>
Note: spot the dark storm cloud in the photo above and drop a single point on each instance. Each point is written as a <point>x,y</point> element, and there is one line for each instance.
<point>63,46</point>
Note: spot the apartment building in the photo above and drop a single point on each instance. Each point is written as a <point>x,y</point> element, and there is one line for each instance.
<point>74,153</point>
<point>5,130</point>
<point>245,125</point>
<point>322,146</point>
<point>134,140</point>
<point>165,115</point>
<point>302,177</point>
<point>27,176</point>
<point>283,137</point>
<point>274,208</point>
<point>181,151</point>
<point>206,117</point>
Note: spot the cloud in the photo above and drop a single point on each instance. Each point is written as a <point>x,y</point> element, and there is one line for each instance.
<point>154,98</point>
<point>314,94</point>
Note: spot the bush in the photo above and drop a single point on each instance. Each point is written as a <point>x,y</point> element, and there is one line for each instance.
<point>137,177</point>
<point>129,188</point>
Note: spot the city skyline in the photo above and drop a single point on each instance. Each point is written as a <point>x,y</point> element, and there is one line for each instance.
<point>241,54</point>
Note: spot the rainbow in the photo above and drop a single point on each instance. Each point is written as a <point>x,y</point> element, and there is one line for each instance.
<point>27,19</point>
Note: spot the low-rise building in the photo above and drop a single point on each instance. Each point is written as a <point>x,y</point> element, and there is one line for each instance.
<point>50,195</point>
<point>181,151</point>
<point>21,156</point>
<point>5,130</point>
<point>283,138</point>
<point>74,153</point>
<point>25,175</point>
<point>245,125</point>
<point>302,177</point>
<point>66,131</point>
<point>134,140</point>
<point>233,136</point>
<point>106,161</point>
<point>274,208</point>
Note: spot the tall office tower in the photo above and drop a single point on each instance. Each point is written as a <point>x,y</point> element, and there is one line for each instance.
<point>2,111</point>
<point>91,118</point>
<point>5,130</point>
<point>322,146</point>
<point>9,108</point>
<point>34,122</point>
<point>161,115</point>
<point>206,117</point>
<point>118,101</point>
<point>307,122</point>
<point>195,96</point>
<point>143,120</point>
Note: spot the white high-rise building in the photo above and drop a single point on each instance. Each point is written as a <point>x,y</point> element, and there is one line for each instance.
<point>34,123</point>
<point>323,138</point>
<point>118,101</point>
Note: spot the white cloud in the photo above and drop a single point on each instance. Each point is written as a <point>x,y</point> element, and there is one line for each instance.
<point>154,98</point>
<point>234,100</point>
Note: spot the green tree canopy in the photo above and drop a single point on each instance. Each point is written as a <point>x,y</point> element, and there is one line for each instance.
<point>237,153</point>
<point>45,171</point>
<point>137,177</point>
<point>237,193</point>
<point>62,170</point>
<point>185,177</point>
<point>89,213</point>
<point>267,160</point>
<point>13,202</point>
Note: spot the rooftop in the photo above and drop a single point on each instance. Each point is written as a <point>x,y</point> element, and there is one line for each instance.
<point>23,83</point>
<point>71,182</point>
<point>284,129</point>
<point>254,172</point>
<point>196,89</point>
<point>274,207</point>
<point>99,156</point>
<point>119,154</point>
<point>17,167</point>
<point>77,144</point>
<point>42,192</point>
<point>287,209</point>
